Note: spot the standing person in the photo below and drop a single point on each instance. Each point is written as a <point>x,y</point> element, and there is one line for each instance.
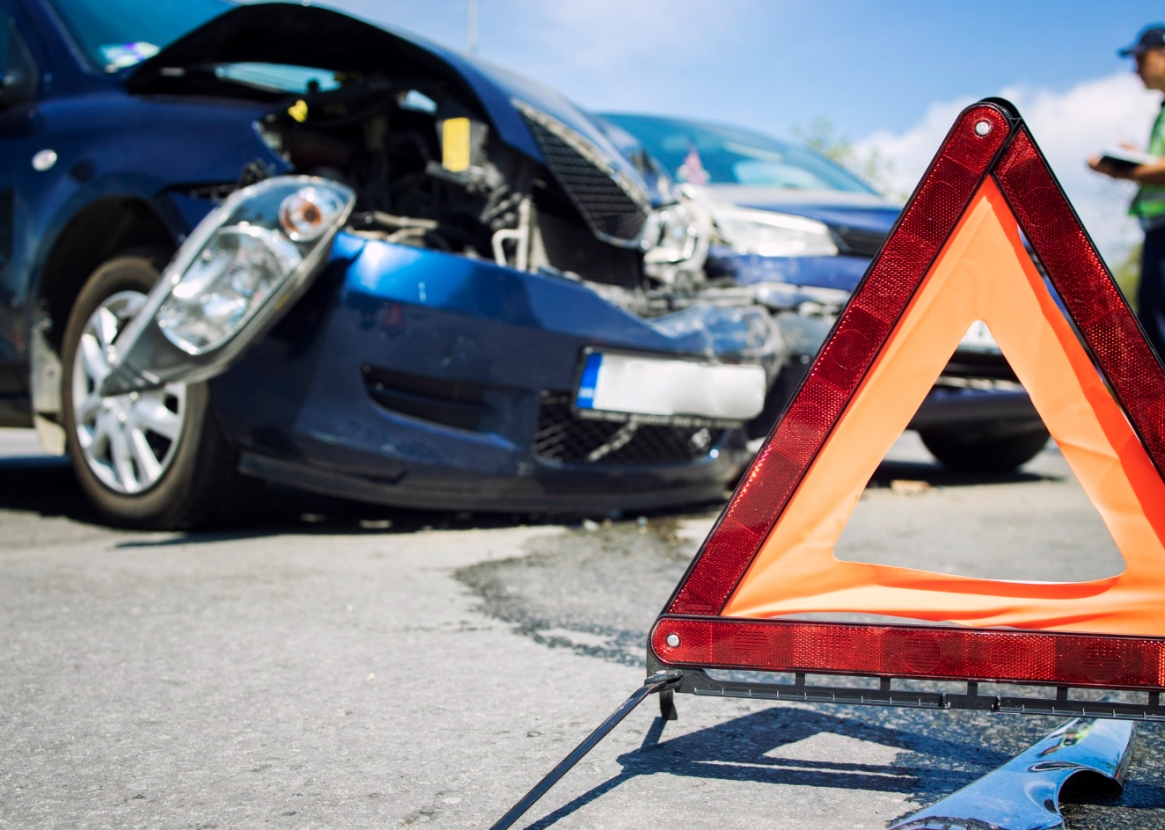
<point>1149,204</point>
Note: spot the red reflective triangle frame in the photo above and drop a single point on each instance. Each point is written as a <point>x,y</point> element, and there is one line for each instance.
<point>1112,337</point>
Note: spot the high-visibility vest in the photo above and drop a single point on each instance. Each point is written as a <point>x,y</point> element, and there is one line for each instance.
<point>1149,203</point>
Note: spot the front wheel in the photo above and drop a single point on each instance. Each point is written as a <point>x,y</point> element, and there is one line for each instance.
<point>145,459</point>
<point>994,448</point>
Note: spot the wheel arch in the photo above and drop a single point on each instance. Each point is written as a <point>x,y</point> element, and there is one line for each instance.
<point>95,234</point>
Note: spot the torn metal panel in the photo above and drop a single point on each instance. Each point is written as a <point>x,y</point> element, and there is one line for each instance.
<point>1024,793</point>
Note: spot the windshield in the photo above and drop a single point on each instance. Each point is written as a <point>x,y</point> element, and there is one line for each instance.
<point>115,34</point>
<point>711,154</point>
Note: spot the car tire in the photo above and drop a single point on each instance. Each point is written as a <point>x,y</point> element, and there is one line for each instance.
<point>997,448</point>
<point>171,469</point>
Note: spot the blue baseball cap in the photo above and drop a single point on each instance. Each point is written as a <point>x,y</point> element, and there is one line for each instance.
<point>1151,36</point>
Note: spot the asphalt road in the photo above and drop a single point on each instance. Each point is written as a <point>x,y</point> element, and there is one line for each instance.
<point>336,665</point>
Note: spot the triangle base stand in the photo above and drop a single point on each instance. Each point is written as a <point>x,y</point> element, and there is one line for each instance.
<point>1061,703</point>
<point>667,683</point>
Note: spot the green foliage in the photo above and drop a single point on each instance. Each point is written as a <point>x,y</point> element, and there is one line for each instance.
<point>1128,274</point>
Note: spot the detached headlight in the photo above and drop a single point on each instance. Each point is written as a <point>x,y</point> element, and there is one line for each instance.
<point>764,233</point>
<point>245,264</point>
<point>225,286</point>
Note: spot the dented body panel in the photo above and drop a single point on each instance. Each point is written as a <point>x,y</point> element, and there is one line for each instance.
<point>490,341</point>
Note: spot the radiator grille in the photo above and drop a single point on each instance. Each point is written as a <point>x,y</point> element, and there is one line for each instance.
<point>605,199</point>
<point>571,247</point>
<point>562,437</point>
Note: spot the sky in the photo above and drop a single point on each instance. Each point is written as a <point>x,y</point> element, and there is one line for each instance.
<point>890,76</point>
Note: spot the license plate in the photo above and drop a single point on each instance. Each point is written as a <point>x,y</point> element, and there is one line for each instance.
<point>651,386</point>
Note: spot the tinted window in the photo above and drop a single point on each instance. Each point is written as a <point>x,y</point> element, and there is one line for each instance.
<point>115,34</point>
<point>711,154</point>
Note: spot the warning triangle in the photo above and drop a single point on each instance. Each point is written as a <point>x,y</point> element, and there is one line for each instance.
<point>956,256</point>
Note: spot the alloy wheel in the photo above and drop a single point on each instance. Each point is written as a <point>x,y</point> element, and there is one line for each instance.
<point>128,441</point>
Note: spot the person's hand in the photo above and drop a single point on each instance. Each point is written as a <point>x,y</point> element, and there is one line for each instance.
<point>1107,168</point>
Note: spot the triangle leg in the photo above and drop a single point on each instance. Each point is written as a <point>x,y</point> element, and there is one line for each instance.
<point>656,683</point>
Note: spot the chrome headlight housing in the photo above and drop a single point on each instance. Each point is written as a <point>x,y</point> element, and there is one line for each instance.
<point>675,238</point>
<point>765,233</point>
<point>670,235</point>
<point>241,268</point>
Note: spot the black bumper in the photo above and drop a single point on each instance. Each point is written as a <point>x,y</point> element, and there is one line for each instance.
<point>947,406</point>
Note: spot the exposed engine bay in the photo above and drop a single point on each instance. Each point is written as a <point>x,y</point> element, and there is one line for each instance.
<point>438,159</point>
<point>428,172</point>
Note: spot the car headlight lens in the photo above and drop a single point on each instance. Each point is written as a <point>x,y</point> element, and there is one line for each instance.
<point>764,233</point>
<point>234,275</point>
<point>263,240</point>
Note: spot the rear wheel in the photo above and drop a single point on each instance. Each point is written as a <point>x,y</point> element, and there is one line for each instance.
<point>992,448</point>
<point>146,459</point>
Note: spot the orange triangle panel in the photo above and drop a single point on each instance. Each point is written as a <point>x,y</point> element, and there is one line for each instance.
<point>956,256</point>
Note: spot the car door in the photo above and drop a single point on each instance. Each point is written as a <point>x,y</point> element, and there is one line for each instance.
<point>19,83</point>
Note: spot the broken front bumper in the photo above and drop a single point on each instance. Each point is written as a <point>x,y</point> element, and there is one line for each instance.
<point>424,379</point>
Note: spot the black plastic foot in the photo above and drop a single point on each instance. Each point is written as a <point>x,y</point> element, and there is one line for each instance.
<point>667,705</point>
<point>653,684</point>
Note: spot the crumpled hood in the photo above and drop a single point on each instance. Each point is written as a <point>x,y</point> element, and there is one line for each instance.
<point>297,35</point>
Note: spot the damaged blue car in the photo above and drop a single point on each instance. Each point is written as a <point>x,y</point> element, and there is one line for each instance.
<point>799,231</point>
<point>275,243</point>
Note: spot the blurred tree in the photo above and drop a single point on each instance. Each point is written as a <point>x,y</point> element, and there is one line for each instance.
<point>822,136</point>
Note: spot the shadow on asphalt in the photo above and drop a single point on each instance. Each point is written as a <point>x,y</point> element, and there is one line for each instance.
<point>43,485</point>
<point>749,749</point>
<point>938,476</point>
<point>931,764</point>
<point>46,486</point>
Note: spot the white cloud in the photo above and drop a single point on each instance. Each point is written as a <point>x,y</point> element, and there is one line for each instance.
<point>1069,126</point>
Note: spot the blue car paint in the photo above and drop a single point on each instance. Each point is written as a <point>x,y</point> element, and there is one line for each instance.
<point>108,146</point>
<point>312,422</point>
<point>297,405</point>
<point>841,272</point>
<point>589,380</point>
